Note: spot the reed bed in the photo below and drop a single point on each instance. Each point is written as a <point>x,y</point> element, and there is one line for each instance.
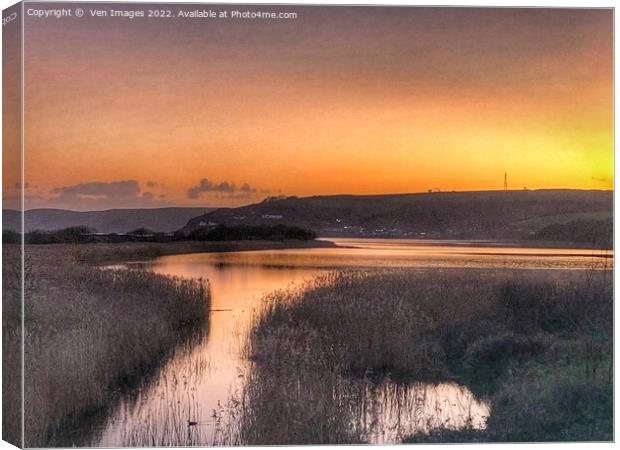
<point>520,340</point>
<point>89,333</point>
<point>387,356</point>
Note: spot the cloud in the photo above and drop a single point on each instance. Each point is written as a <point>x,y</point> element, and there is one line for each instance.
<point>224,188</point>
<point>245,187</point>
<point>129,188</point>
<point>102,194</point>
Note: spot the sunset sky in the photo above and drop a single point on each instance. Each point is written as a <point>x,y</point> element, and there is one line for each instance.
<point>219,112</point>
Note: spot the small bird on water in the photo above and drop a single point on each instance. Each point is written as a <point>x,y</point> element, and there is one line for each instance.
<point>191,423</point>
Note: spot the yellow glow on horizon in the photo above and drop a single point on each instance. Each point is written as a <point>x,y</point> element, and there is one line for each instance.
<point>314,120</point>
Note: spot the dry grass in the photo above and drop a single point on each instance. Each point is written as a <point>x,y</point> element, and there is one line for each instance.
<point>379,321</point>
<point>297,395</point>
<point>89,332</point>
<point>11,346</point>
<point>517,338</point>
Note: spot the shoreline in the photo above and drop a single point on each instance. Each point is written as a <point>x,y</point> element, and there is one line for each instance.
<point>509,243</point>
<point>94,253</point>
<point>139,251</point>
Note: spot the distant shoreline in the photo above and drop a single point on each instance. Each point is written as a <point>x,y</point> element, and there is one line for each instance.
<point>95,253</point>
<point>479,242</point>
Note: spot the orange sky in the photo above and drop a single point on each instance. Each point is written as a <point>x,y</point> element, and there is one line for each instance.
<point>340,100</point>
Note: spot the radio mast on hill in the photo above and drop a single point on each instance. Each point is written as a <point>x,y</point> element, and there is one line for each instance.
<point>505,181</point>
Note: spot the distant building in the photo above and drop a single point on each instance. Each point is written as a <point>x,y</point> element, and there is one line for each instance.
<point>204,224</point>
<point>271,216</point>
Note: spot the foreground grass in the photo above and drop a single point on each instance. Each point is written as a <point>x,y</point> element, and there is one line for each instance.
<point>11,347</point>
<point>90,332</point>
<point>536,345</point>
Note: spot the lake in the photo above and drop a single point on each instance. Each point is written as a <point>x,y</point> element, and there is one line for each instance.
<point>200,383</point>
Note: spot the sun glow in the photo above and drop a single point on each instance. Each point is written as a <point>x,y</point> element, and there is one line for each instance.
<point>321,105</point>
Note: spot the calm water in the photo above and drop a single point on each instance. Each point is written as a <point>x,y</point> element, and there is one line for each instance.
<point>198,381</point>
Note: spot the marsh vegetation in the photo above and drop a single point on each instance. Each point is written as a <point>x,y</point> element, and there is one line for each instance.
<point>89,333</point>
<point>403,355</point>
<point>381,355</point>
<point>537,347</point>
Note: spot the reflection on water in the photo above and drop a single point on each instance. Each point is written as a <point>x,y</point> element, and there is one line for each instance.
<point>207,376</point>
<point>412,253</point>
<point>197,382</point>
<point>393,411</point>
<point>90,429</point>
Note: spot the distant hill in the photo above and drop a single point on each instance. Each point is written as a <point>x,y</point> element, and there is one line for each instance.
<point>445,215</point>
<point>109,221</point>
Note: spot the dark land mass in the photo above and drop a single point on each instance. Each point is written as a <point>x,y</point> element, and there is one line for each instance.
<point>99,253</point>
<point>252,233</point>
<point>85,235</point>
<point>109,221</point>
<point>572,216</point>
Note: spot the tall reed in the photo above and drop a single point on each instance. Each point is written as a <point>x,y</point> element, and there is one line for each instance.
<point>496,331</point>
<point>89,332</point>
